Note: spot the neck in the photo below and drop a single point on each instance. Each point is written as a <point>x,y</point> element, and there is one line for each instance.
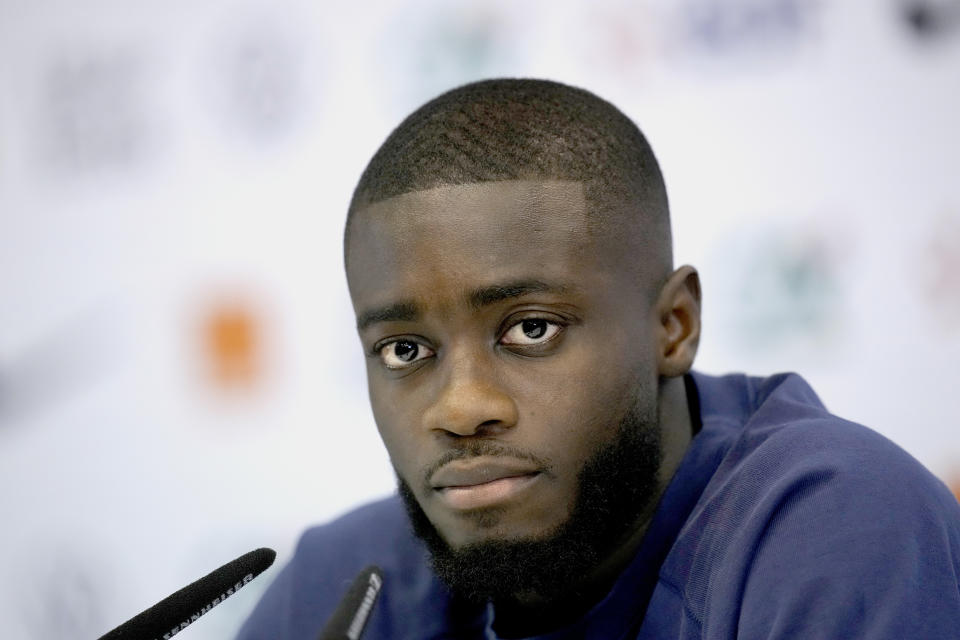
<point>523,615</point>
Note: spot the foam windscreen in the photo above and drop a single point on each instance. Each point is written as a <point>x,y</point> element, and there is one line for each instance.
<point>180,609</point>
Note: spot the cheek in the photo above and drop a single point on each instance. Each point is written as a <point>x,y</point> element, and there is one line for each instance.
<point>579,400</point>
<point>394,429</point>
<point>587,421</point>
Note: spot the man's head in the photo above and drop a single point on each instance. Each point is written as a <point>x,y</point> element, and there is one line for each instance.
<point>500,130</point>
<point>508,257</point>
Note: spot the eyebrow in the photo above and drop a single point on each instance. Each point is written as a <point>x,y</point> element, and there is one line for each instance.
<point>478,298</point>
<point>497,293</point>
<point>398,312</point>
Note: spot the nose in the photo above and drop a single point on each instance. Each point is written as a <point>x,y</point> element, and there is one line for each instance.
<point>472,401</point>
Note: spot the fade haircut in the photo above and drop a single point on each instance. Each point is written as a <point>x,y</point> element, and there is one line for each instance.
<point>514,129</point>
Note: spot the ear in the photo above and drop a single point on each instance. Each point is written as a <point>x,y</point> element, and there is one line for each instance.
<point>678,322</point>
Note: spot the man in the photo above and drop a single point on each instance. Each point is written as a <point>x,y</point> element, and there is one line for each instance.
<point>562,473</point>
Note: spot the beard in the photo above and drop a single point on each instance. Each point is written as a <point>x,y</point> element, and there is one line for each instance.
<point>616,487</point>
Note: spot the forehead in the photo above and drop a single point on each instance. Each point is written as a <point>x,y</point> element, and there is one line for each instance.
<point>471,232</point>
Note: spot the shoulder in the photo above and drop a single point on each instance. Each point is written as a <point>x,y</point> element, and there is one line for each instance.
<point>777,431</point>
<point>790,442</point>
<point>786,452</point>
<point>807,512</point>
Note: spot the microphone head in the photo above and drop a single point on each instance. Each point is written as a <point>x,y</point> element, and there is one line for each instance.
<point>180,609</point>
<point>353,612</point>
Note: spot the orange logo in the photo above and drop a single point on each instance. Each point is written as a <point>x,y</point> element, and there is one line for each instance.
<point>232,340</point>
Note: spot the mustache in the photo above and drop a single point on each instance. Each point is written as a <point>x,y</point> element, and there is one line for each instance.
<point>483,448</point>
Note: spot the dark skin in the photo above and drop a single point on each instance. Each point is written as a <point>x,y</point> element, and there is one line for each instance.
<point>494,312</point>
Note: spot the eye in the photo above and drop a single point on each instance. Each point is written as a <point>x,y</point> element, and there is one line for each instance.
<point>530,331</point>
<point>402,353</point>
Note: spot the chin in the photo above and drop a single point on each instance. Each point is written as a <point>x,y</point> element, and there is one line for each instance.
<point>485,528</point>
<point>536,546</point>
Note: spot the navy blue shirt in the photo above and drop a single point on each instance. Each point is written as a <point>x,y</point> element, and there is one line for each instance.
<point>782,521</point>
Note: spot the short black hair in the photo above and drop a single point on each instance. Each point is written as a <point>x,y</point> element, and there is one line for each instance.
<point>511,129</point>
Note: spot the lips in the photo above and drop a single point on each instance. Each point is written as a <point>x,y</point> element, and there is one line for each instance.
<point>479,482</point>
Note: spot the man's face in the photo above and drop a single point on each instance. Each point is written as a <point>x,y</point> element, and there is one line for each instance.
<point>507,344</point>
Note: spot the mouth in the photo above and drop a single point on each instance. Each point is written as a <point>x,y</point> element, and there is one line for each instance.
<point>477,483</point>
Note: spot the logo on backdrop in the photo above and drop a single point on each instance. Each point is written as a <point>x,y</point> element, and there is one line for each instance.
<point>259,71</point>
<point>737,25</point>
<point>931,19</point>
<point>940,264</point>
<point>783,288</point>
<point>427,53</point>
<point>232,344</point>
<point>93,110</point>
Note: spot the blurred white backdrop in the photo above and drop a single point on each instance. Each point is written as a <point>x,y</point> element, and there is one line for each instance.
<point>180,380</point>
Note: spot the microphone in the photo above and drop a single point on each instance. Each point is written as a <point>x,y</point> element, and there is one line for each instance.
<point>177,611</point>
<point>353,612</point>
